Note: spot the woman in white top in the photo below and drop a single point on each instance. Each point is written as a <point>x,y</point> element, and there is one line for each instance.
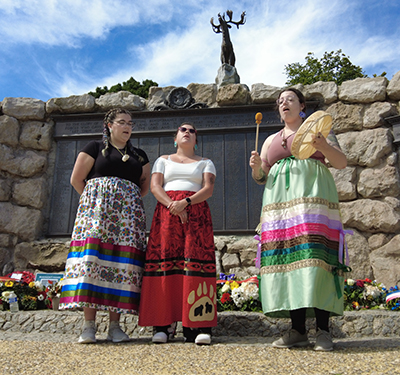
<point>179,282</point>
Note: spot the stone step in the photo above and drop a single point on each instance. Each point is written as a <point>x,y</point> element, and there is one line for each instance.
<point>353,324</point>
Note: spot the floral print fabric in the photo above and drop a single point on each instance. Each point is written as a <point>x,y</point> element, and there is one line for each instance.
<point>106,258</point>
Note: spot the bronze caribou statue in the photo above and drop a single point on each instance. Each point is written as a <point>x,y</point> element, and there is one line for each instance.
<point>227,54</point>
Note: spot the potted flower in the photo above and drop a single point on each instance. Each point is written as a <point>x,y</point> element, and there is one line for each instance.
<point>53,292</point>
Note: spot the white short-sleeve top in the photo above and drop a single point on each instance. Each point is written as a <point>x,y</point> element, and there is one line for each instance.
<point>185,177</point>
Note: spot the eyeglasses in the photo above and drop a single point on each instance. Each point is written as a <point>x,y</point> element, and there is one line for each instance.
<point>184,130</point>
<point>288,99</point>
<point>124,123</point>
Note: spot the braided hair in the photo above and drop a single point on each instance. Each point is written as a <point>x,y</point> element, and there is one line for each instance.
<point>110,116</point>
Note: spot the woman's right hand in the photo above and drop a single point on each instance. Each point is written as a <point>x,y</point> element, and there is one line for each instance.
<point>255,161</point>
<point>183,216</point>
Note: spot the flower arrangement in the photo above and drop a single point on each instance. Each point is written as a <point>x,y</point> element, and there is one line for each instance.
<point>361,294</point>
<point>236,295</point>
<point>393,298</point>
<point>32,295</point>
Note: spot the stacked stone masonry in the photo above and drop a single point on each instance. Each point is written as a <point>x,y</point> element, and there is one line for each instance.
<point>353,324</point>
<point>368,188</point>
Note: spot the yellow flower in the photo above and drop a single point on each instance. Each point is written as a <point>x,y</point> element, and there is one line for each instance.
<point>32,284</point>
<point>9,283</point>
<point>234,285</point>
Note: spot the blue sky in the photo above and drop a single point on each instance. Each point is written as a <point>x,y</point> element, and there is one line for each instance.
<point>58,48</point>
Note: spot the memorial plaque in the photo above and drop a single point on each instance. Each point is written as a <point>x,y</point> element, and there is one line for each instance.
<point>225,135</point>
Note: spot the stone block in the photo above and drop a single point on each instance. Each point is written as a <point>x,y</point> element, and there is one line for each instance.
<point>234,94</point>
<point>345,180</point>
<point>23,164</point>
<point>325,92</point>
<point>393,88</point>
<point>72,104</point>
<point>9,131</point>
<point>379,182</point>
<point>367,148</point>
<point>376,113</point>
<point>363,90</point>
<point>230,261</point>
<point>385,262</point>
<point>204,93</point>
<point>37,135</point>
<point>121,99</point>
<point>346,117</point>
<point>227,75</point>
<point>263,94</point>
<point>5,190</point>
<point>24,222</point>
<point>370,216</point>
<point>378,240</point>
<point>359,256</point>
<point>24,108</point>
<point>31,192</point>
<point>7,240</point>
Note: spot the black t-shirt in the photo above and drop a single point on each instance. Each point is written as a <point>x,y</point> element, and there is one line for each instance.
<point>112,165</point>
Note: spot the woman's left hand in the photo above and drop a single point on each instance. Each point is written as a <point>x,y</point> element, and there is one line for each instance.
<point>319,142</point>
<point>333,154</point>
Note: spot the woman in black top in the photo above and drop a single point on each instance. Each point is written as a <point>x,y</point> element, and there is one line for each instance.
<point>105,262</point>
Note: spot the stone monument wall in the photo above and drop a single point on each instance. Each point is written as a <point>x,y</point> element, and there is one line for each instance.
<point>368,188</point>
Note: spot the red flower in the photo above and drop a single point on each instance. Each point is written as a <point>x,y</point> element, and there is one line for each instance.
<point>360,283</point>
<point>368,281</point>
<point>226,297</point>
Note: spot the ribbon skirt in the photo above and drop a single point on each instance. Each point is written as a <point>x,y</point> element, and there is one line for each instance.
<point>300,235</point>
<point>106,258</point>
<point>179,282</point>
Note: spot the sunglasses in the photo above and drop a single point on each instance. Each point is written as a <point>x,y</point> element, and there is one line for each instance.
<point>183,130</point>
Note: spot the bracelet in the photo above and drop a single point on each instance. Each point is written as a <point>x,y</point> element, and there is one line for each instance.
<point>261,179</point>
<point>189,201</point>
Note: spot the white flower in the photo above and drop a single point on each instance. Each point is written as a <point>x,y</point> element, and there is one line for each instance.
<point>244,293</point>
<point>226,288</point>
<point>250,291</point>
<point>370,290</point>
<point>350,282</point>
<point>237,296</point>
<point>39,285</point>
<point>6,294</point>
<point>40,297</point>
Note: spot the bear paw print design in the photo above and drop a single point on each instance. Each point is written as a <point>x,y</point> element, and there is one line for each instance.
<point>203,303</point>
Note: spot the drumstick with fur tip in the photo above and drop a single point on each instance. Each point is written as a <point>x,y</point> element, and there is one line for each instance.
<point>258,122</point>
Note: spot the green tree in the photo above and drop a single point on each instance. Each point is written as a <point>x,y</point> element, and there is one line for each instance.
<point>131,85</point>
<point>333,66</point>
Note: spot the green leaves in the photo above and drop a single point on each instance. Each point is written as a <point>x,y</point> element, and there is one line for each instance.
<point>333,66</point>
<point>131,85</point>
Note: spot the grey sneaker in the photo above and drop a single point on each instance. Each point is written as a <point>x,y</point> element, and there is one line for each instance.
<point>160,338</point>
<point>115,333</point>
<point>324,341</point>
<point>290,339</point>
<point>88,335</point>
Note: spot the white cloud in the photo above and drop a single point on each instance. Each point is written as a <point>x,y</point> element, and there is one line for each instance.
<point>177,45</point>
<point>66,22</point>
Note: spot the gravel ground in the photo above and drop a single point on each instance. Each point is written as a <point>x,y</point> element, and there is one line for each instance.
<point>59,354</point>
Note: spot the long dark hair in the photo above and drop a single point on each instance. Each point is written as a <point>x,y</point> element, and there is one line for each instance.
<point>109,117</point>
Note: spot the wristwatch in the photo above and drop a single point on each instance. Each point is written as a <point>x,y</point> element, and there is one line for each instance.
<point>189,201</point>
